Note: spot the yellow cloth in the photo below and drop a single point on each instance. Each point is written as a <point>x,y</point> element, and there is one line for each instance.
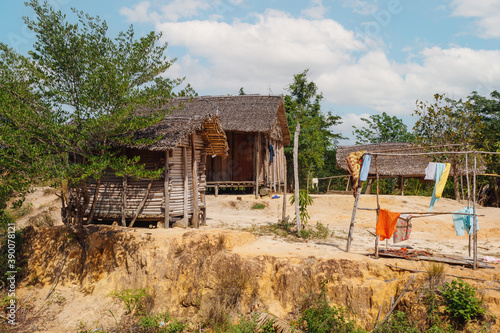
<point>442,181</point>
<point>354,161</point>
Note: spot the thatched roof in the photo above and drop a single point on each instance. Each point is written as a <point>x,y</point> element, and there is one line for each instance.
<point>407,166</point>
<point>174,129</point>
<point>244,113</point>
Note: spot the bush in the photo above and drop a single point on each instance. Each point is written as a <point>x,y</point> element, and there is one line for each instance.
<point>258,205</point>
<point>397,323</point>
<point>461,301</point>
<point>304,201</point>
<point>162,323</point>
<point>132,298</point>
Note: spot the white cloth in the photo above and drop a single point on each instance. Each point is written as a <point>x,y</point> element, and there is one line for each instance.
<point>315,182</point>
<point>430,171</point>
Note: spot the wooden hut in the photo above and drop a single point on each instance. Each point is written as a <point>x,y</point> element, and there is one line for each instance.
<point>180,192</point>
<point>257,132</point>
<point>400,166</point>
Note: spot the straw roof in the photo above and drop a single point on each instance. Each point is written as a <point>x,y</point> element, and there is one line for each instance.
<point>173,129</point>
<point>393,166</point>
<point>244,113</point>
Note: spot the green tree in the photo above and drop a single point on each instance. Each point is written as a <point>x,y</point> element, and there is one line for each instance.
<point>488,110</point>
<point>75,98</point>
<point>446,122</point>
<point>382,128</point>
<point>316,136</point>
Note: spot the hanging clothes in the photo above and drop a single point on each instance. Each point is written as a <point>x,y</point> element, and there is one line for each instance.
<point>271,153</point>
<point>430,171</point>
<point>386,223</point>
<point>353,162</point>
<point>464,222</point>
<point>442,172</point>
<point>315,182</point>
<point>365,168</point>
<point>403,228</point>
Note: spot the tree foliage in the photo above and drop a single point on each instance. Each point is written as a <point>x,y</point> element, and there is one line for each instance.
<point>316,138</point>
<point>448,122</point>
<point>382,128</point>
<point>75,98</point>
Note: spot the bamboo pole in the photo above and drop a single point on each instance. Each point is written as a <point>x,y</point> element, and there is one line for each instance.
<point>186,186</point>
<point>378,210</point>
<point>468,195</point>
<point>283,213</point>
<point>194,168</point>
<point>474,221</point>
<point>166,190</point>
<point>141,205</point>
<point>124,201</point>
<point>94,201</point>
<point>296,175</point>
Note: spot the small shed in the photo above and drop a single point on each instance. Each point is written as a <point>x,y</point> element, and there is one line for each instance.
<point>184,144</point>
<point>257,132</point>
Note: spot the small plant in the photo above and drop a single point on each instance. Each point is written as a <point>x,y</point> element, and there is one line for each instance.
<point>435,275</point>
<point>258,205</point>
<point>132,298</point>
<point>161,322</point>
<point>461,301</point>
<point>397,323</point>
<point>304,201</point>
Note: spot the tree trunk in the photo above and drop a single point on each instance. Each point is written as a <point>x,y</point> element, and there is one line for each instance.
<point>296,175</point>
<point>456,180</point>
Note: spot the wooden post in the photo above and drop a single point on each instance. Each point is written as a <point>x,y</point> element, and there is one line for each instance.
<point>283,213</point>
<point>348,182</point>
<point>307,186</point>
<point>329,182</point>
<point>369,186</point>
<point>216,190</point>
<point>141,205</point>
<point>474,221</point>
<point>353,217</point>
<point>468,196</point>
<point>275,168</point>
<point>267,164</point>
<point>296,175</point>
<point>257,164</point>
<point>402,185</point>
<point>166,185</point>
<point>196,212</point>
<point>186,185</point>
<point>377,237</point>
<point>124,201</point>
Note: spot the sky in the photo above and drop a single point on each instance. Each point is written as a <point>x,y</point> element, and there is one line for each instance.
<point>366,56</point>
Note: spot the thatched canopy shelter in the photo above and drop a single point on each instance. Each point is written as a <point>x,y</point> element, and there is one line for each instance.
<point>395,166</point>
<point>175,127</point>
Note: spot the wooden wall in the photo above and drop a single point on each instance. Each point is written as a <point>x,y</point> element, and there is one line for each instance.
<point>240,165</point>
<point>110,199</point>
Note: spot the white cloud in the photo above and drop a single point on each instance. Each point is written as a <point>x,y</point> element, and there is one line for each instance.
<point>262,56</point>
<point>361,7</point>
<point>174,10</point>
<point>486,13</point>
<point>316,11</point>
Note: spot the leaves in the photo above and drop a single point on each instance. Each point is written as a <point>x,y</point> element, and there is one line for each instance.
<point>382,128</point>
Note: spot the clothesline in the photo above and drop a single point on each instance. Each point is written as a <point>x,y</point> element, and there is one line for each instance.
<point>421,213</point>
<point>435,153</point>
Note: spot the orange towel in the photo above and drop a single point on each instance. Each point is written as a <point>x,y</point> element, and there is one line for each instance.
<point>386,223</point>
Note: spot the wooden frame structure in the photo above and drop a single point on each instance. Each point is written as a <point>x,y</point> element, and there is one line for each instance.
<point>180,192</point>
<point>472,238</point>
<point>257,132</point>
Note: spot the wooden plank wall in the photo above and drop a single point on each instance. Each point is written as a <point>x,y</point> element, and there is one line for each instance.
<point>109,202</point>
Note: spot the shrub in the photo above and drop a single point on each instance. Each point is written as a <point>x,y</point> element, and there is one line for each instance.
<point>397,323</point>
<point>132,298</point>
<point>258,205</point>
<point>461,301</point>
<point>162,323</point>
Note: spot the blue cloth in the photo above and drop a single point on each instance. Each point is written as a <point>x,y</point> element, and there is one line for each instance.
<point>275,197</point>
<point>365,168</point>
<point>439,171</point>
<point>271,153</point>
<point>464,222</point>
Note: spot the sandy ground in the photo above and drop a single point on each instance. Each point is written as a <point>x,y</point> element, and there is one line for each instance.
<point>234,212</point>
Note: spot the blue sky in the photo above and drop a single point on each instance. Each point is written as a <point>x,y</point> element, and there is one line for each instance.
<point>366,56</point>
